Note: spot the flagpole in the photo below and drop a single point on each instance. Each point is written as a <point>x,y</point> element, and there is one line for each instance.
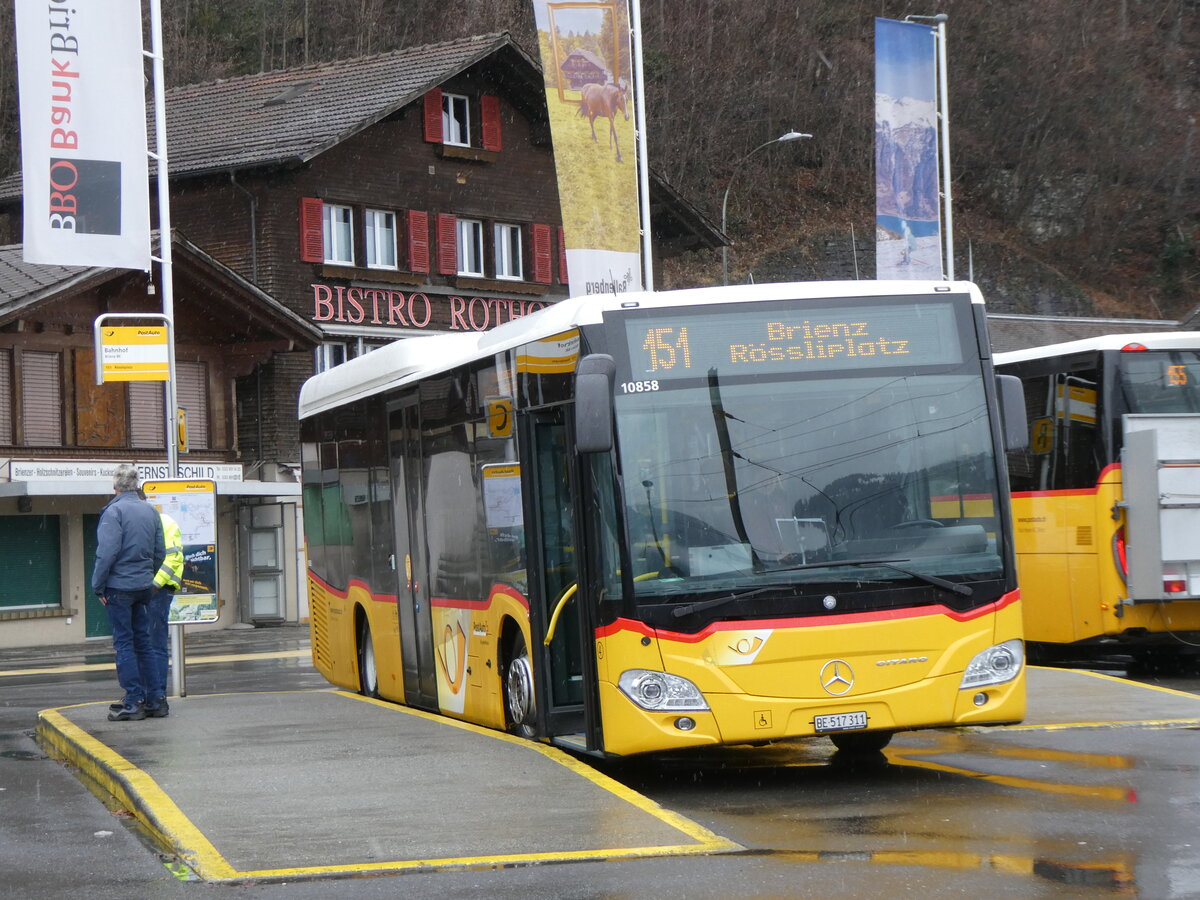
<point>635,23</point>
<point>167,284</point>
<point>944,96</point>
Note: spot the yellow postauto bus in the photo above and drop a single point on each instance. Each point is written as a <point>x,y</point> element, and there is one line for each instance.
<point>1106,496</point>
<point>653,521</point>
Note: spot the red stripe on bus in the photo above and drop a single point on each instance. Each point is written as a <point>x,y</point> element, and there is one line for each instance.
<point>497,590</point>
<point>884,615</point>
<point>1073,492</point>
<point>337,592</point>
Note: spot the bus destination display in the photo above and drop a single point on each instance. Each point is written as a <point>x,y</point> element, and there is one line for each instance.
<point>749,340</point>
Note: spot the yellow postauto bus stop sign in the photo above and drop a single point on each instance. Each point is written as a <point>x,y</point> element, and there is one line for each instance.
<point>133,353</point>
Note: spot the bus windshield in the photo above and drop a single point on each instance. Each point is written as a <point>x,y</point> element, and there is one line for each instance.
<point>842,481</point>
<point>1161,381</point>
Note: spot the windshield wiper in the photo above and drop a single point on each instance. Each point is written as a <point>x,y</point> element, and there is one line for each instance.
<point>688,608</point>
<point>891,564</point>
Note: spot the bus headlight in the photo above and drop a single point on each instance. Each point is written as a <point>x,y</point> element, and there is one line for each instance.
<point>658,690</point>
<point>995,665</point>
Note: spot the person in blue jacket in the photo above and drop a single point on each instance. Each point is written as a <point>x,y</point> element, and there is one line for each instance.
<point>129,551</point>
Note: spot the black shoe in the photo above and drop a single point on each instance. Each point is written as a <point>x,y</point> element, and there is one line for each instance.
<point>128,713</point>
<point>158,709</point>
<point>116,707</point>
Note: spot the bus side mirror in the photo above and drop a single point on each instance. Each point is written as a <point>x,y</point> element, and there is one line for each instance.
<point>1013,420</point>
<point>594,403</point>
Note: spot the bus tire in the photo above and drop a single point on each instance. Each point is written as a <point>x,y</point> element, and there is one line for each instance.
<point>519,705</point>
<point>368,671</point>
<point>861,743</point>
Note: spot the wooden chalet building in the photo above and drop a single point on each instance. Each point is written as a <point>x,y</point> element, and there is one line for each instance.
<point>319,212</point>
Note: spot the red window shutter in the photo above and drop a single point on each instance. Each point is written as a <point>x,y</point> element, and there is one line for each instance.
<point>433,116</point>
<point>312,237</point>
<point>447,250</point>
<point>489,105</point>
<point>562,256</point>
<point>418,240</point>
<point>541,254</point>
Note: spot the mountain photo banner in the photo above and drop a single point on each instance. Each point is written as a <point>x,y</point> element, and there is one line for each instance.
<point>908,238</point>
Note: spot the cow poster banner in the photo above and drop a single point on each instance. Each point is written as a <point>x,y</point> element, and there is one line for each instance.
<point>83,133</point>
<point>908,239</point>
<point>586,61</point>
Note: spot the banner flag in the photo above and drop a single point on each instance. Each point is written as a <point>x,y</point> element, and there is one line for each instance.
<point>908,238</point>
<point>590,93</point>
<point>83,133</point>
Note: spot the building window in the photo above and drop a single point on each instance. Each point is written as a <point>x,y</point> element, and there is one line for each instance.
<point>41,398</point>
<point>508,252</point>
<point>470,247</point>
<point>334,353</point>
<point>456,121</point>
<point>381,239</point>
<point>338,231</point>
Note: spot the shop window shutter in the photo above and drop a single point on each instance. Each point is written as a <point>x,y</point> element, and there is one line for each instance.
<point>447,249</point>
<point>312,236</point>
<point>433,116</point>
<point>541,254</point>
<point>418,240</point>
<point>6,408</point>
<point>191,391</point>
<point>489,105</point>
<point>42,395</point>
<point>562,256</point>
<point>146,414</point>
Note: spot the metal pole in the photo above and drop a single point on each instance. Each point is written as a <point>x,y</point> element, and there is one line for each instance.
<point>643,151</point>
<point>944,103</point>
<point>167,284</point>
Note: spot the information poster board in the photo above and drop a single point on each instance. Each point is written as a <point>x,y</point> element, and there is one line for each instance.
<point>193,505</point>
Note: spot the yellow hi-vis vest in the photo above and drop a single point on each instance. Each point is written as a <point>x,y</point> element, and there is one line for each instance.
<point>170,573</point>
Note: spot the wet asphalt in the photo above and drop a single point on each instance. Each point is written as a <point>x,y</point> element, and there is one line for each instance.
<point>1101,804</point>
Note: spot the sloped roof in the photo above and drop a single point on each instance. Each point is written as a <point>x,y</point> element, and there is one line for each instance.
<point>24,286</point>
<point>295,114</point>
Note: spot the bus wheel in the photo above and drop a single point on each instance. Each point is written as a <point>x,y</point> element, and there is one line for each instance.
<point>861,743</point>
<point>518,689</point>
<point>368,673</point>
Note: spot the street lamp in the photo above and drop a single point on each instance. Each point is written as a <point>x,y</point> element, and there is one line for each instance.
<point>783,138</point>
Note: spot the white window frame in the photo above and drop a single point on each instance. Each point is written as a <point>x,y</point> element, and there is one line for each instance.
<point>509,256</point>
<point>470,247</point>
<point>456,120</point>
<point>337,229</point>
<point>380,233</point>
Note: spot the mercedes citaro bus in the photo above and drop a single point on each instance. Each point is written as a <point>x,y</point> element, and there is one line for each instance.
<point>651,521</point>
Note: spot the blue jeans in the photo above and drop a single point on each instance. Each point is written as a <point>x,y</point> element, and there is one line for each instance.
<point>129,616</point>
<point>160,653</point>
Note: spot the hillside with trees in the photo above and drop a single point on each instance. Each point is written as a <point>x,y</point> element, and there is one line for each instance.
<point>1073,128</point>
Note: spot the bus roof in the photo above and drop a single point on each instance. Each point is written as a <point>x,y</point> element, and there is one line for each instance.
<point>410,359</point>
<point>1151,340</point>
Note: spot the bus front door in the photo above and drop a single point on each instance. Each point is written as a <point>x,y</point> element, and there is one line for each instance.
<point>412,592</point>
<point>562,669</point>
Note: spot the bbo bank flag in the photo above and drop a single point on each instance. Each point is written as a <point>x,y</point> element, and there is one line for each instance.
<point>587,65</point>
<point>83,132</point>
<point>908,243</point>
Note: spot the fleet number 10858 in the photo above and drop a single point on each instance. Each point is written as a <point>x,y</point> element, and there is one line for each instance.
<point>638,387</point>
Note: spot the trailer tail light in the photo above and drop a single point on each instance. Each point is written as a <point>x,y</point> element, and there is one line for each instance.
<point>1119,554</point>
<point>1173,584</point>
